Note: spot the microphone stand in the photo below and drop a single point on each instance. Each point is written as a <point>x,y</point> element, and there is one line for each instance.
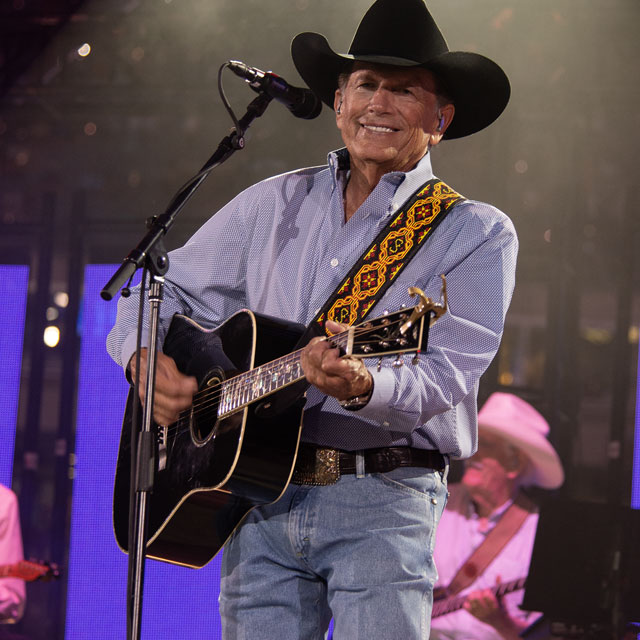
<point>151,255</point>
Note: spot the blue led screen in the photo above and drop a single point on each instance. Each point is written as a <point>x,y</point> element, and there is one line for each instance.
<point>177,602</point>
<point>14,282</point>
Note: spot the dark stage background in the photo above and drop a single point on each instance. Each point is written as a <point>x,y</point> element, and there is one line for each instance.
<point>95,139</point>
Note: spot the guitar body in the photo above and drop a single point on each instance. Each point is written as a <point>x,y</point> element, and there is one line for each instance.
<point>211,472</point>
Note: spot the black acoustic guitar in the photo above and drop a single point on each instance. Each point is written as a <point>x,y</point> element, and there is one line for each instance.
<point>236,447</point>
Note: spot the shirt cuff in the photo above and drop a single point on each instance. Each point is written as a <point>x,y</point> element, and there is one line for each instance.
<point>384,385</point>
<point>127,350</point>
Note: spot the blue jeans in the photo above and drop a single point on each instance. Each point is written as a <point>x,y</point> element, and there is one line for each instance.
<point>360,550</point>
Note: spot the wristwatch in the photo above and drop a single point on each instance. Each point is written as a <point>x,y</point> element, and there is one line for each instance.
<point>357,402</point>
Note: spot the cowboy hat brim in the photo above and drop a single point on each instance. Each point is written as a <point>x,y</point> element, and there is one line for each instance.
<point>545,469</point>
<point>514,420</point>
<point>477,86</point>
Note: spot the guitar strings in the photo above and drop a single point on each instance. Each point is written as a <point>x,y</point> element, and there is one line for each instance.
<point>206,401</point>
<point>203,398</point>
<point>247,379</point>
<point>206,404</point>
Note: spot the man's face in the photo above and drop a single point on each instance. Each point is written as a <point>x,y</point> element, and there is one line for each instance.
<point>492,467</point>
<point>388,115</point>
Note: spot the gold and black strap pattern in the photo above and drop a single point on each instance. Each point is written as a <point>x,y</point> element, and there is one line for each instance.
<point>388,254</point>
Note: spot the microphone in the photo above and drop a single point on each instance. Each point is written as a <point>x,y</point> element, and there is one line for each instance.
<point>302,103</point>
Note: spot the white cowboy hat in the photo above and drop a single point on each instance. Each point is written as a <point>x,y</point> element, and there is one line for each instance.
<point>517,422</point>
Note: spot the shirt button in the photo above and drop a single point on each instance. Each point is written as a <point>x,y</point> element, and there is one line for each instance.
<point>334,262</point>
<point>385,424</point>
<point>394,206</point>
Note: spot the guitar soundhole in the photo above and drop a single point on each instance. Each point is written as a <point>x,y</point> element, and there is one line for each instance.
<point>204,411</point>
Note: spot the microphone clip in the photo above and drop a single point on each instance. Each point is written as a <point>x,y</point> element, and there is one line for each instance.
<point>302,102</point>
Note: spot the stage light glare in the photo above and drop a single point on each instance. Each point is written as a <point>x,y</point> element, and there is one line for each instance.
<point>84,50</point>
<point>61,298</point>
<point>51,336</point>
<point>22,158</point>
<point>597,336</point>
<point>521,166</point>
<point>134,179</point>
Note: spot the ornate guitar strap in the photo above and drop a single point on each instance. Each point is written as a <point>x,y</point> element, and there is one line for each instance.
<point>391,250</point>
<point>370,277</point>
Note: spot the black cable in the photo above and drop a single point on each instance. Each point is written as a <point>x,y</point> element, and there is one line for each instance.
<point>226,103</point>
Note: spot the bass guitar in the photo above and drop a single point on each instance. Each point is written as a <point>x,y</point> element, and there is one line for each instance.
<point>235,448</point>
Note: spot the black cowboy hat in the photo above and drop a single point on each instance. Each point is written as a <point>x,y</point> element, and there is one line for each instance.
<point>403,33</point>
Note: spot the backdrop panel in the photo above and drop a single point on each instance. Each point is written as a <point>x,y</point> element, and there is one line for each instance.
<point>14,281</point>
<point>178,602</point>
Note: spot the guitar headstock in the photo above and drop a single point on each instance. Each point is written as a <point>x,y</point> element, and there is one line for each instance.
<point>402,331</point>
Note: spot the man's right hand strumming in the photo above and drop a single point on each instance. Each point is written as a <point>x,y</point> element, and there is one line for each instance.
<point>173,391</point>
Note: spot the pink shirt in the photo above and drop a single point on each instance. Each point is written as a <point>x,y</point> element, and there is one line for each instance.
<point>12,590</point>
<point>460,531</point>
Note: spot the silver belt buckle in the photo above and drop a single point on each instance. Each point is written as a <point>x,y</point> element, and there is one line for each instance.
<point>327,469</point>
<point>322,470</point>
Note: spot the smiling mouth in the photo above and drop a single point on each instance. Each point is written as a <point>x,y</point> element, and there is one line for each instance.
<point>378,128</point>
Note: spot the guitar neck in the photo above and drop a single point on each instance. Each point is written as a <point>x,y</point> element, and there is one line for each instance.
<point>454,603</point>
<point>258,383</point>
<point>395,333</point>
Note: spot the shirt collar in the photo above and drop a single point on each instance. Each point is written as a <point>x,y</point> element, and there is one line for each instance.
<point>498,513</point>
<point>338,162</point>
<point>489,523</point>
<point>407,182</point>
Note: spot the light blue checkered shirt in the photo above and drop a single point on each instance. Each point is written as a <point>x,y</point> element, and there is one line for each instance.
<point>281,248</point>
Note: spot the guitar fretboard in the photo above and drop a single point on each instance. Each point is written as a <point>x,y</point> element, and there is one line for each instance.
<point>454,603</point>
<point>242,390</point>
<point>395,333</point>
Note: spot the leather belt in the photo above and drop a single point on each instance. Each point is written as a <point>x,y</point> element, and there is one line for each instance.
<point>323,466</point>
